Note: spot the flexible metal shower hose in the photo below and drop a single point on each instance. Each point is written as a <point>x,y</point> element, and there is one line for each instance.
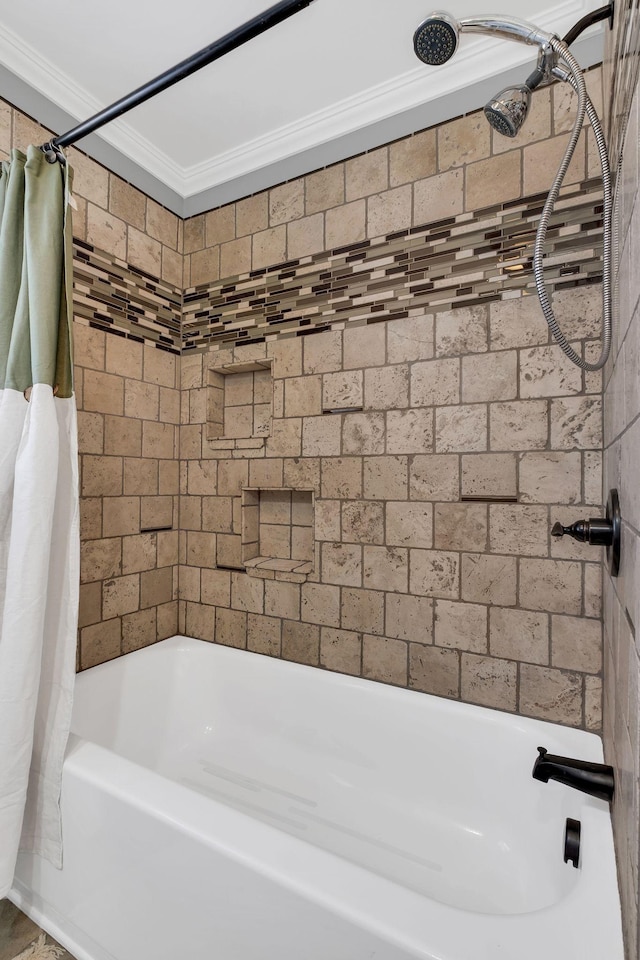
<point>576,79</point>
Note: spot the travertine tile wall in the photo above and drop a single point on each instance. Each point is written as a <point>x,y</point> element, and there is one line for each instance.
<point>434,567</point>
<point>128,399</point>
<point>621,467</point>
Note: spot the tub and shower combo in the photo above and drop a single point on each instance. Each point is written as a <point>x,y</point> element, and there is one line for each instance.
<point>218,803</point>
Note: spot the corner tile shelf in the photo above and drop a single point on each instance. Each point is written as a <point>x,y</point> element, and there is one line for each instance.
<point>239,405</point>
<point>278,532</point>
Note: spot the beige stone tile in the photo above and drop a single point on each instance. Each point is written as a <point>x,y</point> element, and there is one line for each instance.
<point>106,232</point>
<point>90,179</point>
<point>302,474</point>
<point>521,425</point>
<point>139,552</point>
<point>88,346</point>
<point>386,568</point>
<point>201,549</point>
<point>342,477</point>
<point>229,550</point>
<point>551,695</point>
<point>282,599</point>
<point>541,159</point>
<point>162,224</point>
<point>321,436</point>
<point>100,642</point>
<point>546,372</point>
<point>576,423</point>
<point>346,224</point>
<point>327,520</point>
<point>592,476</point>
<point>409,524</point>
<point>434,670</point>
<point>90,607</point>
<point>303,396</point>
<point>363,433</point>
<point>324,189</point>
<point>438,198</point>
<point>100,559</point>
<point>517,322</point>
<point>101,476</point>
<point>387,388</point>
<point>231,628</point>
<point>233,475</point>
<point>463,141</point>
<point>127,203</point>
<point>576,643</point>
<point>435,382</point>
<point>252,214</point>
<point>410,338</point>
<point>342,564</point>
<point>247,593</point>
<point>191,513</point>
<point>216,514</point>
<point>579,311</point>
<point>140,476</point>
<point>553,585</point>
<point>235,257</point>
<point>385,659</point>
<point>205,266</point>
<point>593,703</point>
<point>286,202</point>
<point>434,573</point>
<point>550,477</point>
<point>139,630</point>
<point>367,174</point>
<point>160,367</point>
<point>593,590</point>
<point>344,389</point>
<point>409,618</point>
<point>410,431</point>
<point>301,642</point>
<point>141,400</point>
<point>364,346</point>
<point>156,586</point>
<point>264,635</point>
<point>156,512</point>
<point>412,158</point>
<point>489,475</point>
<point>519,635</point>
<point>462,428</point>
<point>518,529</point>
<point>493,376</point>
<point>320,604</point>
<point>462,626</point>
<point>191,371</point>
<point>193,234</point>
<point>389,211</point>
<point>200,621</point>
<point>124,357</point>
<point>215,587</point>
<point>489,579</point>
<point>287,357</point>
<point>104,393</point>
<point>144,252</point>
<point>305,236</point>
<point>362,522</point>
<point>323,352</point>
<point>492,181</point>
<point>158,440</point>
<point>265,473</point>
<point>90,432</point>
<point>90,518</point>
<point>385,478</point>
<point>341,651</point>
<point>121,515</point>
<point>220,225</point>
<point>489,682</point>
<point>460,526</point>
<point>202,477</point>
<point>434,477</point>
<point>120,596</point>
<point>462,330</point>
<point>167,545</point>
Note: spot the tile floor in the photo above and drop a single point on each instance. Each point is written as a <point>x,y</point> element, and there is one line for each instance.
<point>22,939</point>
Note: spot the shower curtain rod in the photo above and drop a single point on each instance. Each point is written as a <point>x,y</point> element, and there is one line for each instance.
<point>252,28</point>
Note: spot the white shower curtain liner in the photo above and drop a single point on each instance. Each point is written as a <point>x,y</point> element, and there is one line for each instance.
<point>39,515</point>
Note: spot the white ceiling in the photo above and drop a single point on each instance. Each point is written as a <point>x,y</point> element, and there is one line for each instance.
<point>337,78</point>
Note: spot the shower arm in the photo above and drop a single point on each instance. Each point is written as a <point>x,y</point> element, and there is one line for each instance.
<point>247,31</point>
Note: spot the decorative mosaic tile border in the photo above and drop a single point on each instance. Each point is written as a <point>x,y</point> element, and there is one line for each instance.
<point>114,296</point>
<point>472,258</point>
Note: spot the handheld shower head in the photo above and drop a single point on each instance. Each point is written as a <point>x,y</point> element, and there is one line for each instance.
<point>507,111</point>
<point>436,39</point>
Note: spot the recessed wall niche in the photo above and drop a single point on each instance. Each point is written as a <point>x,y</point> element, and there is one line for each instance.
<point>277,531</point>
<point>240,404</point>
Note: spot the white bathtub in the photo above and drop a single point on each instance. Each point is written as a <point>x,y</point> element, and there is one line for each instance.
<point>219,805</point>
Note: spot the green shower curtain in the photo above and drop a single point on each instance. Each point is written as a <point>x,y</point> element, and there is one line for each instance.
<point>39,528</point>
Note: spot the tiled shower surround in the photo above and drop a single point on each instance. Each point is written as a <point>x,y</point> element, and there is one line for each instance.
<point>421,424</point>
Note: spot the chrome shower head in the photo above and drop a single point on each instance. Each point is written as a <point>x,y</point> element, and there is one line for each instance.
<point>436,39</point>
<point>507,111</point>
